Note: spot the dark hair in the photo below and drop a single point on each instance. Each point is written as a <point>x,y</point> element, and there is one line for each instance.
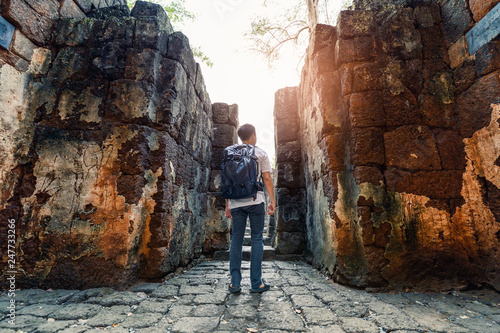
<point>245,131</point>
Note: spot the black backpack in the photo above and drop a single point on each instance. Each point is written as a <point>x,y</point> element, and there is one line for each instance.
<point>239,168</point>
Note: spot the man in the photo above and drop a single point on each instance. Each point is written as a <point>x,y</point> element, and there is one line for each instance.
<point>254,209</point>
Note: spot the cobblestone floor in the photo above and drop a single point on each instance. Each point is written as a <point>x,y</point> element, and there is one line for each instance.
<point>301,300</point>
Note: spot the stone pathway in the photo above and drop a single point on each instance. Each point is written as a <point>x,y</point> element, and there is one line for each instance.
<point>301,300</point>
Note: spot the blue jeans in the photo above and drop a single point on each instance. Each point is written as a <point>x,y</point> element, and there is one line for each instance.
<point>256,213</point>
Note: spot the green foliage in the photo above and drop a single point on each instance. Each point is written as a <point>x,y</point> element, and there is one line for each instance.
<point>202,56</point>
<point>178,15</point>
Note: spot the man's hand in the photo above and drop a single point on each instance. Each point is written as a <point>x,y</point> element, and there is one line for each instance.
<point>228,212</point>
<point>271,208</point>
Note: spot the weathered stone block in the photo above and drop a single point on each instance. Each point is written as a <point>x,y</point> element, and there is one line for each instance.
<point>150,35</point>
<point>443,184</point>
<point>290,218</point>
<point>289,175</point>
<point>427,16</point>
<point>364,174</point>
<point>200,87</point>
<point>224,136</point>
<point>285,103</point>
<point>433,45</point>
<point>456,19</point>
<point>88,5</point>
<point>464,76</point>
<point>40,62</point>
<point>488,58</point>
<point>357,23</point>
<point>323,61</point>
<point>367,109</point>
<point>367,146</point>
<point>70,63</point>
<point>22,46</point>
<point>480,8</point>
<point>474,105</point>
<point>441,88</point>
<point>70,9</point>
<point>290,243</point>
<point>288,152</point>
<point>131,188</point>
<point>366,77</point>
<point>109,61</point>
<point>366,225</point>
<point>233,115</point>
<point>322,36</point>
<point>458,52</point>
<point>220,113</point>
<point>328,101</point>
<point>399,36</point>
<point>104,13</point>
<point>286,129</point>
<point>82,102</point>
<point>49,8</point>
<point>146,9</point>
<point>401,109</point>
<point>451,149</point>
<point>130,99</point>
<point>73,32</point>
<point>397,76</point>
<point>412,147</point>
<point>115,30</point>
<point>142,64</point>
<point>135,153</point>
<point>35,25</point>
<point>356,49</point>
<point>173,82</point>
<point>436,114</point>
<point>159,226</point>
<point>179,49</point>
<point>217,156</point>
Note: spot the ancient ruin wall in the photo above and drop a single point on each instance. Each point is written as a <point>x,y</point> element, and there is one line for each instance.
<point>225,119</point>
<point>289,183</point>
<point>400,141</point>
<point>108,148</point>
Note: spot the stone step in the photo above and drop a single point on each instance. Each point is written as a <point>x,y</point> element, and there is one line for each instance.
<point>248,241</point>
<point>269,254</point>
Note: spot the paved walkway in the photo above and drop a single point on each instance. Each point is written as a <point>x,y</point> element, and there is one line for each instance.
<point>301,300</point>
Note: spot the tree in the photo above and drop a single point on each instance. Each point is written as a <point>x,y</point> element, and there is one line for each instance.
<point>269,34</point>
<point>178,15</point>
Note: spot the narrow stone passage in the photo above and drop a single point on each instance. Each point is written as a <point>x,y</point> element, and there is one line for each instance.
<point>301,300</point>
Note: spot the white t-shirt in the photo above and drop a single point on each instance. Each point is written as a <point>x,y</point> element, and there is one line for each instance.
<point>264,165</point>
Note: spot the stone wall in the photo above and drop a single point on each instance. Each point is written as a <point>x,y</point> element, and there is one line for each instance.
<point>108,150</point>
<point>225,119</point>
<point>290,213</point>
<point>400,147</point>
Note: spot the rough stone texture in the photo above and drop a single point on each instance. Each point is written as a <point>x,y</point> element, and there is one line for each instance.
<point>289,216</point>
<point>300,300</point>
<point>399,149</point>
<point>35,22</point>
<point>225,119</point>
<point>480,8</point>
<point>107,150</point>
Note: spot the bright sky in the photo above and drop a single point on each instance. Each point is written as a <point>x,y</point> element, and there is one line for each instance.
<point>238,76</point>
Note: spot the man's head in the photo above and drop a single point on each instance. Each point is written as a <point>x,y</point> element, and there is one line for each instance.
<point>247,134</point>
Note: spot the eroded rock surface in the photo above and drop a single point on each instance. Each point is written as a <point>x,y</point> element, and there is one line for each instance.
<point>107,154</point>
<point>400,148</point>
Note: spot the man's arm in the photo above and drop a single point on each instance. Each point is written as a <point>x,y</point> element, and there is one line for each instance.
<point>268,182</point>
<point>228,209</point>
